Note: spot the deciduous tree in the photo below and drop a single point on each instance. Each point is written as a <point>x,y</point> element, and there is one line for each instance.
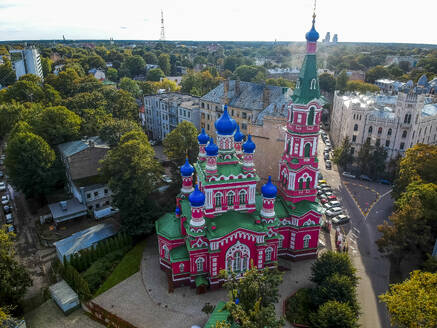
<point>164,63</point>
<point>113,129</point>
<point>343,155</point>
<point>334,314</point>
<point>155,74</point>
<point>330,263</point>
<point>180,142</point>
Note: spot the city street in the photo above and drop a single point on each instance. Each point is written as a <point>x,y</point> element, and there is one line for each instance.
<point>368,204</point>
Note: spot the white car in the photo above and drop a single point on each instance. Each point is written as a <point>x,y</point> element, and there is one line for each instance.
<point>349,175</point>
<point>340,219</point>
<point>5,200</point>
<point>166,179</point>
<point>9,218</point>
<point>2,186</point>
<point>334,203</point>
<point>334,211</point>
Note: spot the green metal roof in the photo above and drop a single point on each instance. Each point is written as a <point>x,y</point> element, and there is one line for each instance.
<point>168,226</point>
<point>223,170</point>
<point>231,221</point>
<point>219,314</point>
<point>303,93</point>
<point>179,253</point>
<point>200,280</point>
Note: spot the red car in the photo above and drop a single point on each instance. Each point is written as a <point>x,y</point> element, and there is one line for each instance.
<point>323,200</point>
<point>332,197</point>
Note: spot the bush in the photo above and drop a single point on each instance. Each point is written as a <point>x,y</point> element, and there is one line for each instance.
<point>299,306</point>
<point>334,314</point>
<point>330,263</point>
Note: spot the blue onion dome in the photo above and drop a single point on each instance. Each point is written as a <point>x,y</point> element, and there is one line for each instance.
<point>225,125</point>
<point>196,198</point>
<point>211,149</point>
<point>238,136</point>
<point>249,146</point>
<point>269,190</point>
<point>203,138</point>
<point>423,81</point>
<point>312,35</point>
<point>187,169</point>
<point>177,211</point>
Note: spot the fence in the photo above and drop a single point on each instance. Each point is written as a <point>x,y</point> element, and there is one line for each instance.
<point>105,317</point>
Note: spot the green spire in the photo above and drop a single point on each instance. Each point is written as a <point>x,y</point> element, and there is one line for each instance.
<point>307,86</point>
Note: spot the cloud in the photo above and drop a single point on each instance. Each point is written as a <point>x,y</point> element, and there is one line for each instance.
<point>123,27</point>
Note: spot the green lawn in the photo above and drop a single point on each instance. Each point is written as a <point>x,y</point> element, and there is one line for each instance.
<point>129,265</point>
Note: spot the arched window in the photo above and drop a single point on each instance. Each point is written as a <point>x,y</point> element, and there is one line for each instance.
<point>242,196</point>
<point>379,130</point>
<point>356,127</point>
<point>269,252</point>
<point>166,252</point>
<point>237,257</point>
<point>181,267</point>
<point>230,198</point>
<point>281,241</point>
<point>288,146</point>
<point>291,116</point>
<point>370,129</point>
<point>306,241</point>
<point>218,199</point>
<point>307,150</point>
<point>310,120</point>
<point>300,183</point>
<point>237,261</point>
<point>389,132</point>
<point>313,84</point>
<point>229,264</point>
<point>406,118</point>
<point>308,183</point>
<point>404,134</point>
<point>199,264</point>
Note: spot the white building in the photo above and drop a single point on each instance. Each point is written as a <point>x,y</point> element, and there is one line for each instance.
<point>26,62</point>
<point>396,122</point>
<point>97,73</point>
<point>163,112</point>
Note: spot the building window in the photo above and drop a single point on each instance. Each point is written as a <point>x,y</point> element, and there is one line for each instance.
<point>181,267</point>
<point>237,261</point>
<point>96,193</point>
<point>378,142</point>
<point>387,143</point>
<point>244,115</point>
<point>207,106</point>
<point>288,146</point>
<point>232,112</point>
<point>97,205</point>
<point>291,116</point>
<point>281,241</point>
<point>166,252</point>
<point>352,150</point>
<point>402,146</point>
<point>244,126</point>
<point>106,191</point>
<point>354,138</point>
<point>208,117</point>
<point>368,140</point>
<point>389,132</point>
<point>207,127</point>
<point>307,150</point>
<point>218,199</point>
<point>107,202</point>
<point>300,183</point>
<point>370,129</point>
<point>379,130</point>
<point>230,198</point>
<point>189,114</point>
<point>306,241</point>
<point>308,183</point>
<point>199,264</point>
<point>203,116</point>
<point>299,118</point>
<point>88,195</point>
<point>269,252</point>
<point>242,196</point>
<point>356,127</point>
<point>310,120</point>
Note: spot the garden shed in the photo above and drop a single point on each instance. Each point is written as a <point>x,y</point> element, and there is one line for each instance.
<point>65,297</point>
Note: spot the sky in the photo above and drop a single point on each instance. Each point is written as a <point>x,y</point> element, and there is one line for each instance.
<point>231,20</point>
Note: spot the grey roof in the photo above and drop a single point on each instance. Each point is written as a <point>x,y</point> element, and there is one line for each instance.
<point>85,238</point>
<point>384,113</point>
<point>63,293</point>
<point>72,207</point>
<point>70,148</point>
<point>429,110</point>
<point>250,95</point>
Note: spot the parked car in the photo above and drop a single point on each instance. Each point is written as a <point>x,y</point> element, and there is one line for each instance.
<point>332,197</point>
<point>5,200</point>
<point>323,196</point>
<point>166,178</point>
<point>341,219</point>
<point>327,188</point>
<point>7,209</point>
<point>326,156</point>
<point>1,174</point>
<point>323,185</point>
<point>3,157</point>
<point>349,175</point>
<point>365,177</point>
<point>323,200</point>
<point>10,228</point>
<point>322,181</point>
<point>9,218</point>
<point>335,203</point>
<point>384,181</point>
<point>326,194</point>
<point>327,206</point>
<point>328,164</point>
<point>2,186</point>
<point>334,211</point>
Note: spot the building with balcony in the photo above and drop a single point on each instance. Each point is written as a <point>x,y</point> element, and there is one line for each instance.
<point>26,61</point>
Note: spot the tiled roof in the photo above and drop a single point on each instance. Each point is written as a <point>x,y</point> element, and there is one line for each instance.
<point>250,96</point>
<point>70,148</point>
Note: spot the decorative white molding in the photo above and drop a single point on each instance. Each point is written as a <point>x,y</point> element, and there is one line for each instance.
<point>200,243</point>
<point>309,222</point>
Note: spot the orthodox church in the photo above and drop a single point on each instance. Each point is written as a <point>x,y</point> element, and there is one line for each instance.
<point>222,223</point>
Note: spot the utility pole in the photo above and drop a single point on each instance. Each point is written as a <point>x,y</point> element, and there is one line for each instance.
<point>162,37</point>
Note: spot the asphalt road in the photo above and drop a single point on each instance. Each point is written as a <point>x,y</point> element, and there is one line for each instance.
<point>372,268</point>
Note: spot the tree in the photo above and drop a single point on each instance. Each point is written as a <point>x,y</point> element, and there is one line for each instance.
<point>46,64</point>
<point>130,86</point>
<point>280,82</point>
<point>375,73</point>
<point>341,81</point>
<point>252,298</point>
<point>327,82</point>
<point>9,115</point>
<point>155,74</point>
<point>93,121</point>
<point>248,73</point>
<point>85,100</point>
<point>7,74</point>
<point>377,163</point>
<point>199,83</point>
<point>334,314</point>
<point>3,315</point>
<point>14,279</point>
<point>28,163</point>
<point>361,87</point>
<point>343,155</point>
<point>413,303</point>
<point>57,125</point>
<point>180,142</point>
<point>113,129</point>
<point>168,85</point>
<point>134,65</point>
<point>340,288</point>
<point>150,58</point>
<point>121,104</point>
<point>148,88</point>
<point>232,62</point>
<point>25,91</point>
<point>164,63</point>
<point>112,74</point>
<point>67,82</point>
<point>364,157</point>
<point>331,263</point>
<point>132,174</point>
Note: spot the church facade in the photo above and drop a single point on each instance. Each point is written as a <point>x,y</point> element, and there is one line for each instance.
<point>221,222</point>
